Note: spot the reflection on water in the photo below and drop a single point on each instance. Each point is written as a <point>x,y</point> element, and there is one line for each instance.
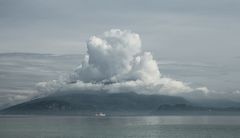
<point>120,127</point>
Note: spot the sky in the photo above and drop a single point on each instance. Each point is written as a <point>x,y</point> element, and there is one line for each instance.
<point>194,41</point>
<point>175,28</point>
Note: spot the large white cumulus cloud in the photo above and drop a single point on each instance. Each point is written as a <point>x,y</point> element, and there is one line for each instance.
<point>115,62</point>
<point>109,56</point>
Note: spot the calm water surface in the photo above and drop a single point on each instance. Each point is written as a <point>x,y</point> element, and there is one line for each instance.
<point>120,127</point>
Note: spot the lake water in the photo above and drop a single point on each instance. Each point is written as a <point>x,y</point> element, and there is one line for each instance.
<point>120,127</point>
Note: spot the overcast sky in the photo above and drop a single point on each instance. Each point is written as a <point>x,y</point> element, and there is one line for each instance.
<point>173,28</point>
<point>193,40</point>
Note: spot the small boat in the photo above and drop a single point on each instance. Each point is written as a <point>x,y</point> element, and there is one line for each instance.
<point>100,114</point>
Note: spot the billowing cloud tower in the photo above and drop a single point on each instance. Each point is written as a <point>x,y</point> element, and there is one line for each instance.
<point>115,62</point>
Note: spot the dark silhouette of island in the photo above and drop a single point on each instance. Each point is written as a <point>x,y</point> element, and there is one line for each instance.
<point>129,103</point>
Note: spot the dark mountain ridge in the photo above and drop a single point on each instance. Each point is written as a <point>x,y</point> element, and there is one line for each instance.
<point>128,103</point>
<point>89,102</point>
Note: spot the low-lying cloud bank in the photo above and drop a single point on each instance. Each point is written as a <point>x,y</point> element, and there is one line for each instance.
<point>115,63</point>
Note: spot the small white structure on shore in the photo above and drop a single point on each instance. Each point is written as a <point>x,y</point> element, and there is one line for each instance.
<point>100,114</point>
